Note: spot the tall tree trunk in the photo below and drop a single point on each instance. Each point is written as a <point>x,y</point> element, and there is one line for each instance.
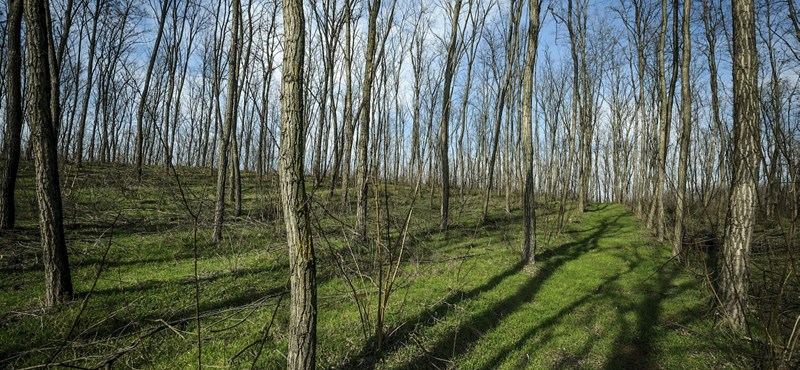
<point>14,117</point>
<point>577,116</point>
<point>529,211</point>
<point>741,204</point>
<point>58,281</point>
<point>444,132</point>
<point>653,220</point>
<point>303,306</point>
<point>229,128</point>
<point>143,102</point>
<point>773,118</point>
<point>512,40</point>
<point>172,66</point>
<point>363,138</point>
<point>641,163</point>
<point>55,71</point>
<point>347,118</point>
<point>711,37</point>
<point>416,51</point>
<point>78,155</point>
<point>686,128</point>
<point>667,97</point>
<point>236,161</point>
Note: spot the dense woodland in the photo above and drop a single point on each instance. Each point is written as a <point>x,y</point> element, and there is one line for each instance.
<point>346,129</point>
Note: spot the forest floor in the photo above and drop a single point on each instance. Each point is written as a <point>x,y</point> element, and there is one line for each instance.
<point>602,294</point>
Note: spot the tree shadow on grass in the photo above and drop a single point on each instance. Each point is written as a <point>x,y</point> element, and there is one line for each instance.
<point>149,285</point>
<point>113,325</point>
<point>633,348</point>
<point>546,326</point>
<point>117,315</point>
<point>596,207</point>
<point>399,336</point>
<point>452,345</point>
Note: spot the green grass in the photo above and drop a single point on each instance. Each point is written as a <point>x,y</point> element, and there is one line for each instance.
<point>601,295</point>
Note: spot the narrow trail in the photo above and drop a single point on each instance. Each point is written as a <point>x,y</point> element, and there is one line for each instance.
<point>605,299</point>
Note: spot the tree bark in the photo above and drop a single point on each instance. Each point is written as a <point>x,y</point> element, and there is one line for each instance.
<point>657,211</point>
<point>303,307</point>
<point>640,162</point>
<point>229,128</point>
<point>78,155</point>
<point>711,37</point>
<point>686,128</point>
<point>143,102</point>
<point>512,39</point>
<point>529,211</point>
<point>347,117</point>
<point>58,281</point>
<point>366,115</point>
<point>14,117</point>
<point>741,204</point>
<point>444,132</point>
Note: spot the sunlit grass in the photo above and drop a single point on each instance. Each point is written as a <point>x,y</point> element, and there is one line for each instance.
<point>602,295</point>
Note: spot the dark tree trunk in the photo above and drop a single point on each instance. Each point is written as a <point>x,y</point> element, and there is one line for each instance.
<point>686,130</point>
<point>143,102</point>
<point>529,212</point>
<point>11,145</point>
<point>229,129</point>
<point>58,282</point>
<point>444,133</point>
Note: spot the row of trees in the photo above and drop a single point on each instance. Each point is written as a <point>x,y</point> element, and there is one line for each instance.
<point>143,82</point>
<point>450,93</point>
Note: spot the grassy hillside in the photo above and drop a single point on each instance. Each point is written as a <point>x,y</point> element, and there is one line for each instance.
<point>602,295</point>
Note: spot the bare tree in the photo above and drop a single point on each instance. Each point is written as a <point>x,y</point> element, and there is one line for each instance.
<point>742,199</point>
<point>511,43</point>
<point>444,132</point>
<point>78,154</point>
<point>347,118</point>
<point>667,95</point>
<point>366,115</point>
<point>58,281</point>
<point>686,128</point>
<point>417,51</point>
<point>229,128</point>
<point>638,36</point>
<point>14,117</point>
<point>711,24</point>
<point>146,88</point>
<point>303,308</point>
<point>529,212</point>
<point>329,25</point>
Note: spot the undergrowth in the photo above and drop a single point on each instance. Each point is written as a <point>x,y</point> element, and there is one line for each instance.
<point>602,295</point>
